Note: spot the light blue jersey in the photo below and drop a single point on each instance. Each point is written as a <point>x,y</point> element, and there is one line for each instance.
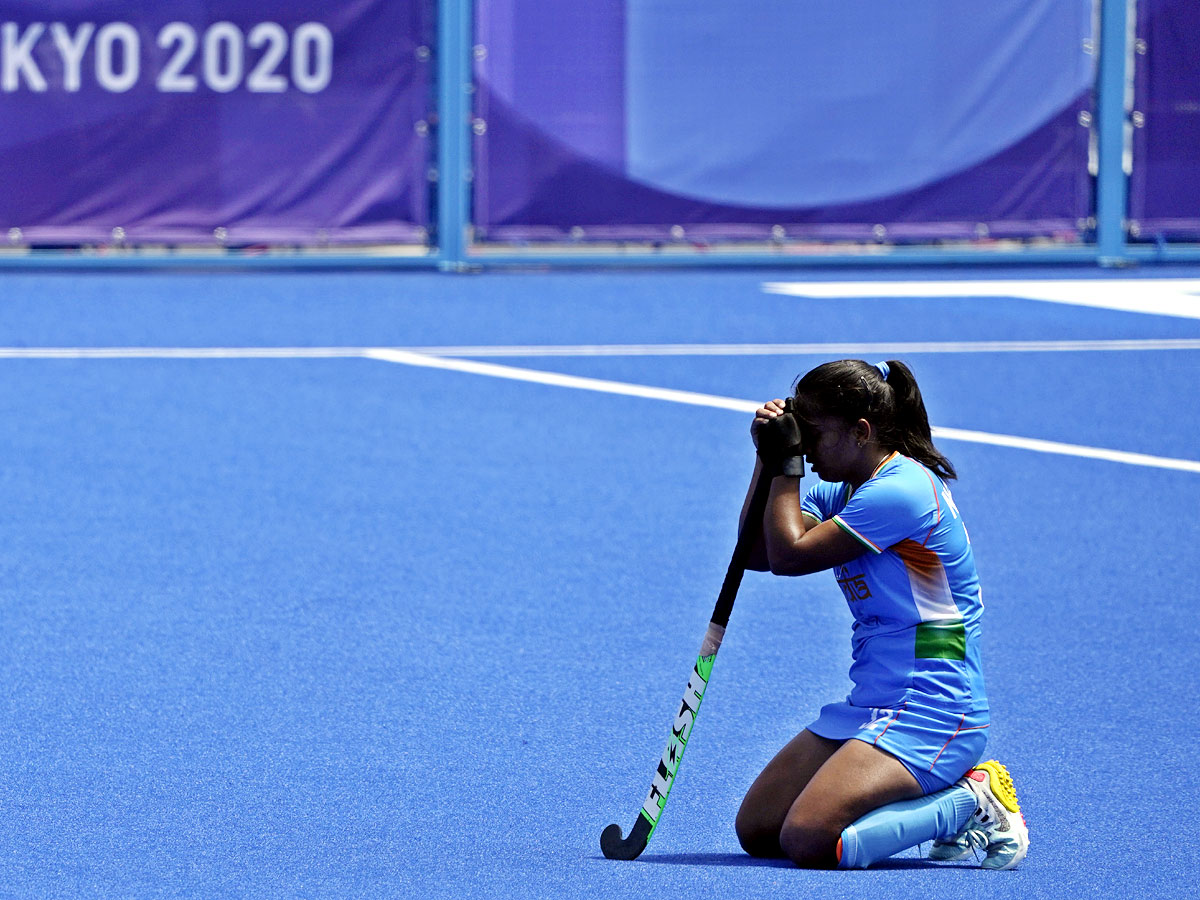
<point>914,593</point>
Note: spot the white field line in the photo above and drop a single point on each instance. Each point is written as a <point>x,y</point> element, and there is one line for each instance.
<point>1040,446</point>
<point>494,370</point>
<point>1156,296</point>
<point>813,349</point>
<point>514,373</point>
<point>571,350</point>
<point>182,352</point>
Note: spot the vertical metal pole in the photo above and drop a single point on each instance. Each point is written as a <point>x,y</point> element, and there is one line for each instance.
<point>454,121</point>
<point>1112,182</point>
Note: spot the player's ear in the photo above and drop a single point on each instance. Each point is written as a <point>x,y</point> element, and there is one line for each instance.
<point>862,431</point>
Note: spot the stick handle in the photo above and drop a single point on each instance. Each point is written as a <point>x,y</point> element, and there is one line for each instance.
<point>751,531</point>
<point>612,842</point>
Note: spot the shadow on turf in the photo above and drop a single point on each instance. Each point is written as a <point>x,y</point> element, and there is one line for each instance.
<point>742,860</point>
<point>710,859</point>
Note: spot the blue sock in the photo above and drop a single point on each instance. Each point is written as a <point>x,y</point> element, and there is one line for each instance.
<point>898,826</point>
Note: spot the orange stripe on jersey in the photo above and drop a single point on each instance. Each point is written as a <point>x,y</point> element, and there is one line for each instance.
<point>957,732</point>
<point>937,499</point>
<point>918,558</point>
<point>889,458</point>
<point>927,577</point>
<point>948,740</point>
<point>891,722</point>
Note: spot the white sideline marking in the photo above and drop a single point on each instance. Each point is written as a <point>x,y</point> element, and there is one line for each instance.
<point>408,358</point>
<point>600,350</point>
<point>1158,296</point>
<point>514,373</point>
<point>181,352</point>
<point>494,370</point>
<point>1040,446</point>
<point>814,349</point>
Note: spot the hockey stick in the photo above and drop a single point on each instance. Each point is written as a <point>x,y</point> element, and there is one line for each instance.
<point>613,843</point>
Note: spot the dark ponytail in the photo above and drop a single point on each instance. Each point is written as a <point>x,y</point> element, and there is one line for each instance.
<point>910,431</point>
<point>851,389</point>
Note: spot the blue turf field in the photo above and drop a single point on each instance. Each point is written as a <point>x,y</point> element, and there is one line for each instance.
<point>338,627</point>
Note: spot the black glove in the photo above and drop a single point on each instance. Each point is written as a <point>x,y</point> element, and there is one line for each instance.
<point>779,445</point>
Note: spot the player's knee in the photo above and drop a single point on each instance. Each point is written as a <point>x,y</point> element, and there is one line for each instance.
<point>810,845</point>
<point>757,838</point>
<point>762,844</point>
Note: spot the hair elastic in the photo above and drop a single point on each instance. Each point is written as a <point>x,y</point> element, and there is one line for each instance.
<point>884,369</point>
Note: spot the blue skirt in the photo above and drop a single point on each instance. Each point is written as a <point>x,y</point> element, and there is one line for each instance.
<point>937,746</point>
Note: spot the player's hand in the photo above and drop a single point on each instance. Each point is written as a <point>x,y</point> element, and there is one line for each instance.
<point>772,409</point>
<point>777,437</point>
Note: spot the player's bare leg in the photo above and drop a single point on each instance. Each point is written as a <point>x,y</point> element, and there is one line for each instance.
<point>855,780</point>
<point>765,807</point>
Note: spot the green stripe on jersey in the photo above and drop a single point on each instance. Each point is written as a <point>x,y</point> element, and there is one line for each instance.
<point>941,641</point>
<point>837,520</point>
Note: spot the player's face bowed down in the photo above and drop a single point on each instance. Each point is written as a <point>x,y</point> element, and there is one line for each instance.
<point>834,449</point>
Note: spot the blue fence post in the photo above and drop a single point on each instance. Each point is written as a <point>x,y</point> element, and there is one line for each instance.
<point>454,121</point>
<point>1112,182</point>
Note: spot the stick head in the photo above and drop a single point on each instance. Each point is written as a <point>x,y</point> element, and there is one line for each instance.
<point>614,845</point>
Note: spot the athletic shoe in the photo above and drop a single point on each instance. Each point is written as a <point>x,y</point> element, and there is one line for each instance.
<point>996,826</point>
<point>965,843</point>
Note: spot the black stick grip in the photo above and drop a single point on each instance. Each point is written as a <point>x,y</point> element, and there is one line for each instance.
<point>751,531</point>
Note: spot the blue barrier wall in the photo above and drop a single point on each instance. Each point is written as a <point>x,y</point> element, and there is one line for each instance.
<point>185,122</point>
<point>815,121</point>
<point>517,131</point>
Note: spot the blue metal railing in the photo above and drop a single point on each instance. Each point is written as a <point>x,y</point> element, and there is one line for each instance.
<point>1112,181</point>
<point>454,123</point>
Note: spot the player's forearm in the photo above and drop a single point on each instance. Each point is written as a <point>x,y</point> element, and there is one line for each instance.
<point>783,528</point>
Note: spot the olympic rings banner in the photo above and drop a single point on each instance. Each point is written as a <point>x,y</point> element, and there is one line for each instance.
<point>824,120</point>
<point>219,122</point>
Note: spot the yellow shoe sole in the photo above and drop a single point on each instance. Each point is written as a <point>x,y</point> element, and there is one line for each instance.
<point>1002,785</point>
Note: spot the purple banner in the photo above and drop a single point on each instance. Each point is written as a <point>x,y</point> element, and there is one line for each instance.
<point>185,122</point>
<point>1164,187</point>
<point>822,121</point>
